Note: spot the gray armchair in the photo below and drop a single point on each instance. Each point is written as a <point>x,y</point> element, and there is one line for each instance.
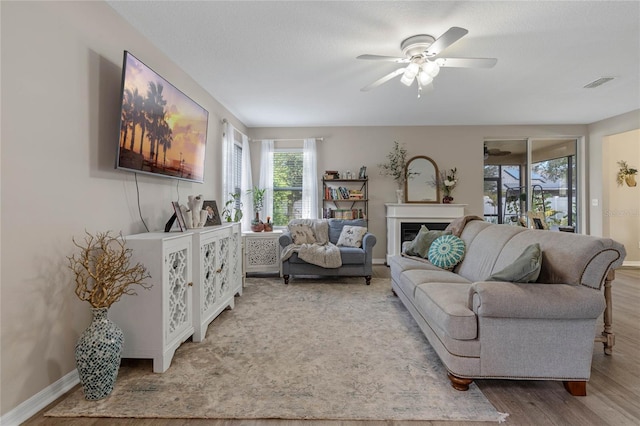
<point>355,261</point>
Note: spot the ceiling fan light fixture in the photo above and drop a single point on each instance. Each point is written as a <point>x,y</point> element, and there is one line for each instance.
<point>407,80</point>
<point>424,78</point>
<point>410,73</point>
<point>431,68</point>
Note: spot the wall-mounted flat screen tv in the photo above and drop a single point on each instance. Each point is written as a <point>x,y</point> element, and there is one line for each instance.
<point>163,132</point>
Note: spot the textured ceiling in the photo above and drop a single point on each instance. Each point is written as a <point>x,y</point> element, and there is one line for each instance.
<point>289,64</point>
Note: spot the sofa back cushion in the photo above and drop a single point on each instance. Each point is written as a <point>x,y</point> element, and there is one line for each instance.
<point>319,228</point>
<point>336,225</point>
<point>566,258</point>
<point>484,243</point>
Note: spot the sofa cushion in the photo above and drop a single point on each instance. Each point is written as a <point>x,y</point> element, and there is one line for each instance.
<point>410,279</point>
<point>302,234</point>
<point>319,227</point>
<point>336,225</point>
<point>446,251</point>
<point>525,269</point>
<point>446,305</point>
<point>351,236</point>
<point>352,255</point>
<point>421,243</point>
<point>484,244</point>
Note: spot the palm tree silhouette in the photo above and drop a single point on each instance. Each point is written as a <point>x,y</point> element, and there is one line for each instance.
<point>126,114</point>
<point>155,107</point>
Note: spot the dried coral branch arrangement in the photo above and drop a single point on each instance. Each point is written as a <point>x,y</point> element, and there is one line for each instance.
<point>102,270</point>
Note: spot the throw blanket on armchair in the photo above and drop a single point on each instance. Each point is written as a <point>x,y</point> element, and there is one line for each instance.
<point>311,242</point>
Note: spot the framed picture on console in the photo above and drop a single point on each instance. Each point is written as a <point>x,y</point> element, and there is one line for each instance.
<point>179,217</point>
<point>213,217</point>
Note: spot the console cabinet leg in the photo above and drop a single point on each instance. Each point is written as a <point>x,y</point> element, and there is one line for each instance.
<point>367,279</point>
<point>286,279</point>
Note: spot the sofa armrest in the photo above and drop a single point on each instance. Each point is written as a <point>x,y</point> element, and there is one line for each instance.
<point>285,239</point>
<point>368,241</point>
<point>499,299</point>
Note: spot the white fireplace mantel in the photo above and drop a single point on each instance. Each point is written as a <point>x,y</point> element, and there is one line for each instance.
<point>416,213</point>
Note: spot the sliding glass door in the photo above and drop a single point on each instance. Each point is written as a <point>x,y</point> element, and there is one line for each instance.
<point>531,177</point>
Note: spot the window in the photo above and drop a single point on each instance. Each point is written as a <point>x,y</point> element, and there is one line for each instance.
<point>287,186</point>
<point>236,168</point>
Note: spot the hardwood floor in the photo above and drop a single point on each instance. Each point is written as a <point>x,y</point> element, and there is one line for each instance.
<point>613,393</point>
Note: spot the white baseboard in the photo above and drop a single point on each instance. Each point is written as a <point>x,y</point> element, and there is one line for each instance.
<point>378,261</point>
<point>37,402</point>
<point>631,263</point>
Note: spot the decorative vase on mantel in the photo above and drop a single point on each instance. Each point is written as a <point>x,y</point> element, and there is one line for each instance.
<point>630,180</point>
<point>400,195</point>
<point>97,354</point>
<point>447,199</point>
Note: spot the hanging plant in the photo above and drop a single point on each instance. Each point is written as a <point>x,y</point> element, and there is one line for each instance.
<point>626,174</point>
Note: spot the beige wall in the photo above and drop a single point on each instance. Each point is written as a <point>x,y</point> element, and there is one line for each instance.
<point>621,219</point>
<point>349,148</point>
<point>596,148</point>
<point>61,71</point>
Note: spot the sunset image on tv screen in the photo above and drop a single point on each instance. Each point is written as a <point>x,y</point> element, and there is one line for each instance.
<point>162,130</point>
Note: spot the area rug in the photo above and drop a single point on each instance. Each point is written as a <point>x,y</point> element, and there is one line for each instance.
<point>313,349</point>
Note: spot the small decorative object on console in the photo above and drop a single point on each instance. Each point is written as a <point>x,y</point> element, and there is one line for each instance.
<point>194,215</point>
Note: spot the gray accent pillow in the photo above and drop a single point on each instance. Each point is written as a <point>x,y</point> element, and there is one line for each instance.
<point>422,242</point>
<point>525,269</point>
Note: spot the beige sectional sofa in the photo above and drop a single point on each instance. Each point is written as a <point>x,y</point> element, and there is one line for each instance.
<point>496,329</point>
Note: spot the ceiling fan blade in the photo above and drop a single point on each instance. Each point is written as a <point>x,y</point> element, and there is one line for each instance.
<point>383,80</point>
<point>467,62</point>
<point>383,58</point>
<point>452,35</point>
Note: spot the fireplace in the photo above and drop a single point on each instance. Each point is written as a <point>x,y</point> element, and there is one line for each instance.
<point>404,221</point>
<point>409,230</point>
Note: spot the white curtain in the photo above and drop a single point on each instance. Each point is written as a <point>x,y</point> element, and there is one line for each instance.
<point>309,180</point>
<point>245,184</point>
<point>227,161</point>
<point>266,178</point>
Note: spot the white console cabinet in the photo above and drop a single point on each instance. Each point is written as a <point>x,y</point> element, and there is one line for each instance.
<point>217,274</point>
<point>155,322</point>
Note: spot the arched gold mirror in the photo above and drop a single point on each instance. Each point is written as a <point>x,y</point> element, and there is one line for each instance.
<point>421,172</point>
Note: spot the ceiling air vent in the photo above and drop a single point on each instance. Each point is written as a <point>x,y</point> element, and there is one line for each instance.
<point>598,82</point>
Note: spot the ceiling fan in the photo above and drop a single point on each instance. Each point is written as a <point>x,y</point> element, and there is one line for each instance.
<point>497,152</point>
<point>423,63</point>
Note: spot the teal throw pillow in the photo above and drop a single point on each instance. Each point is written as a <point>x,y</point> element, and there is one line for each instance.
<point>446,251</point>
<point>421,243</point>
<point>525,269</point>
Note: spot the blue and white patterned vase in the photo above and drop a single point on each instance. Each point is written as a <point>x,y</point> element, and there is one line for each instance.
<point>98,355</point>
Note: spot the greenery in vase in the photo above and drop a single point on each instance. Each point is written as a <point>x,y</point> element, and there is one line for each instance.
<point>102,270</point>
<point>447,181</point>
<point>258,198</point>
<point>624,171</point>
<point>232,211</point>
<point>396,165</point>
